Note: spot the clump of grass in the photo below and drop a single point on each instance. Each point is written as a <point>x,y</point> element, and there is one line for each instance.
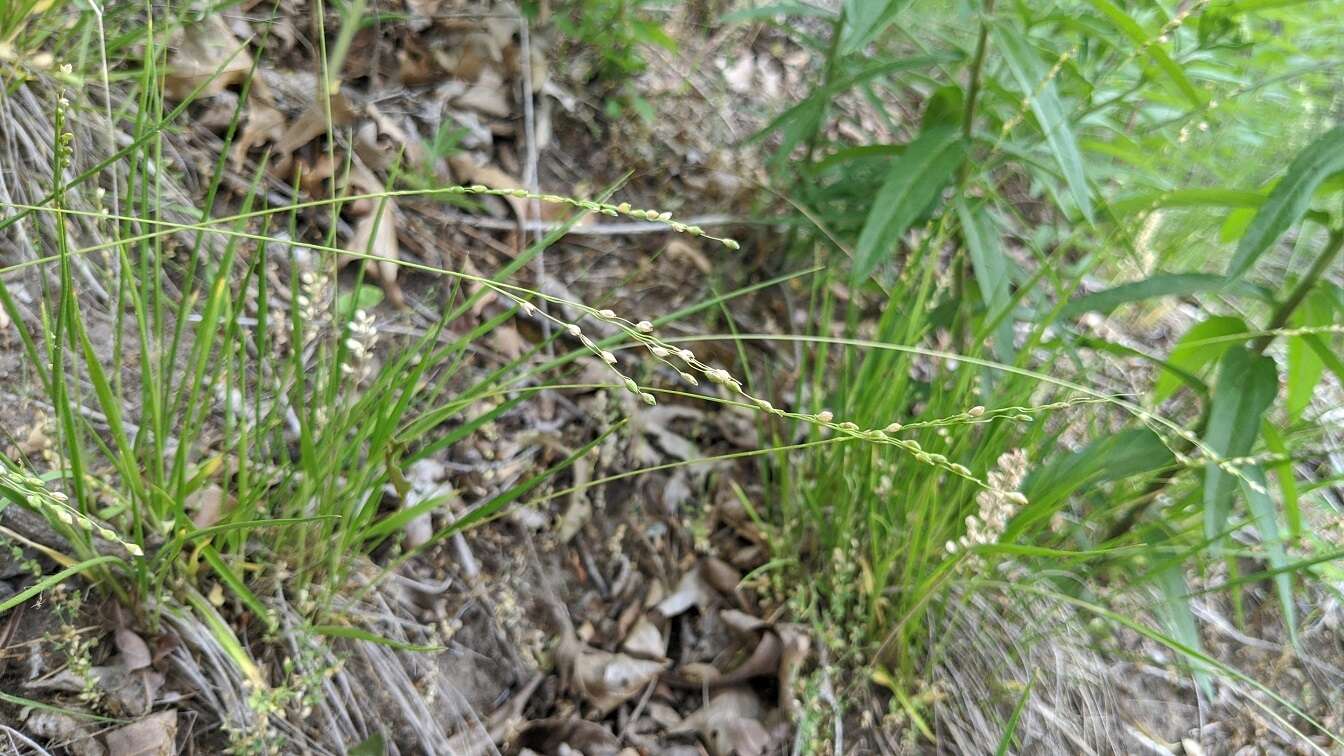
<point>962,249</point>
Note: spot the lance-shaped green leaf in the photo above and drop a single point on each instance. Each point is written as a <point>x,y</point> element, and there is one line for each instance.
<point>1247,384</point>
<point>1291,197</point>
<point>915,181</point>
<point>1044,101</point>
<point>1161,285</point>
<point>1266,522</point>
<point>1203,345</point>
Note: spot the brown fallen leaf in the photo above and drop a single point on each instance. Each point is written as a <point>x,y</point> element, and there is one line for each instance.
<point>376,234</point>
<point>645,641</point>
<point>604,679</point>
<point>730,724</point>
<point>152,736</point>
<point>206,505</point>
<point>134,651</point>
<point>692,590</point>
<point>580,508</point>
<point>312,123</point>
<point>63,728</point>
<point>205,55</point>
<point>550,736</point>
<point>797,647</point>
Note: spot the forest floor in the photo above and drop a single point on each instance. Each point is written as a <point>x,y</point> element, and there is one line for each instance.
<point>626,617</point>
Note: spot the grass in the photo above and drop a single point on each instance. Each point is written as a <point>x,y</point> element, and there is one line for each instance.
<point>958,447</point>
<point>973,233</point>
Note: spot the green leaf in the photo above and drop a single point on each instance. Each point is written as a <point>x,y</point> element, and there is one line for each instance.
<point>1181,619</point>
<point>1196,351</point>
<point>864,20</point>
<point>1291,197</point>
<point>1247,385</point>
<point>916,179</point>
<point>1144,39</point>
<point>1050,114</point>
<point>365,297</point>
<point>990,265</point>
<point>1283,471</point>
<point>1262,513</point>
<point>1305,366</point>
<point>1161,285</point>
<point>1006,741</point>
<point>1199,197</point>
<point>1111,457</point>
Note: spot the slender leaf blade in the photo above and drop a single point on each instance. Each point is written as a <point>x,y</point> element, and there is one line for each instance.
<point>1291,198</point>
<point>1247,384</point>
<point>915,181</point>
<point>1050,114</point>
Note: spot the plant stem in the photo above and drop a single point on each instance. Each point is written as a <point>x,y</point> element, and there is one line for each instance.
<point>977,64</point>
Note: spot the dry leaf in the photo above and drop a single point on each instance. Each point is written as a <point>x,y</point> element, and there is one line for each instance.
<point>645,641</point>
<point>426,478</point>
<point>206,54</point>
<point>580,509</point>
<point>692,590</point>
<point>264,124</point>
<point>65,729</point>
<point>376,234</point>
<point>312,123</point>
<point>553,735</point>
<point>206,505</point>
<point>797,647</point>
<point>152,736</point>
<point>730,724</point>
<point>604,679</point>
<point>134,651</point>
<point>487,96</point>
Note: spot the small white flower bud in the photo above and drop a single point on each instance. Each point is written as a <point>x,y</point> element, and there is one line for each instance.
<point>608,314</point>
<point>573,329</point>
<point>609,358</point>
<point>894,428</point>
<point>825,416</point>
<point>648,398</point>
<point>644,326</point>
<point>659,351</point>
<point>976,411</point>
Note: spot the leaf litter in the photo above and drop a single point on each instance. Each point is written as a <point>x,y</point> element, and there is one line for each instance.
<point>659,610</point>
